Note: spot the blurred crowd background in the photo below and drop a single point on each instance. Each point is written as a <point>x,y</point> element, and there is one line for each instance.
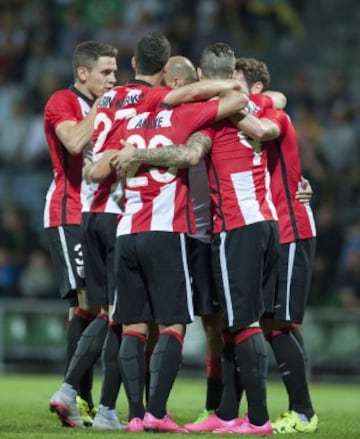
<point>311,49</point>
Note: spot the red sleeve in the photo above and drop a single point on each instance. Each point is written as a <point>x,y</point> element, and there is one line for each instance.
<point>60,107</point>
<point>199,114</point>
<point>262,100</point>
<point>156,96</point>
<point>279,117</point>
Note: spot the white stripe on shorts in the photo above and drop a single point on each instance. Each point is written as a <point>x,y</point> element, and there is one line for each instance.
<point>65,250</point>
<point>290,267</point>
<point>187,276</point>
<point>225,280</point>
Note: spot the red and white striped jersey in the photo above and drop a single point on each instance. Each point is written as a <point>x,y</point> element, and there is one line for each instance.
<point>158,198</point>
<point>118,104</point>
<point>65,194</point>
<point>296,220</point>
<point>238,178</point>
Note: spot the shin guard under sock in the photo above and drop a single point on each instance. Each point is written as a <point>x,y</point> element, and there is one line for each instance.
<point>291,362</point>
<point>164,365</point>
<point>88,350</point>
<point>111,372</point>
<point>75,328</point>
<point>251,361</point>
<point>229,403</point>
<point>213,382</point>
<point>132,369</point>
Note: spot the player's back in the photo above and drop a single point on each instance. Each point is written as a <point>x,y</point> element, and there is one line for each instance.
<point>121,103</point>
<point>158,198</point>
<point>114,107</point>
<point>238,179</point>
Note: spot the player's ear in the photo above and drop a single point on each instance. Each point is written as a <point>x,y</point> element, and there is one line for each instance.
<point>165,68</point>
<point>258,87</point>
<point>82,73</point>
<point>133,63</point>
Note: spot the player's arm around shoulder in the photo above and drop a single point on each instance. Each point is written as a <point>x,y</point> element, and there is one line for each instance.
<point>177,155</point>
<point>261,129</point>
<point>201,90</point>
<point>231,102</point>
<point>278,98</point>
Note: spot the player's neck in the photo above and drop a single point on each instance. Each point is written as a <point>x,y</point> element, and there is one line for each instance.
<point>153,79</point>
<point>83,90</point>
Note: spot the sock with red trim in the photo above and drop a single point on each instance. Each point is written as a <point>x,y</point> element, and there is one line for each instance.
<point>164,365</point>
<point>251,362</point>
<point>111,372</point>
<point>229,403</point>
<point>89,347</point>
<point>132,368</point>
<point>290,358</point>
<point>75,327</point>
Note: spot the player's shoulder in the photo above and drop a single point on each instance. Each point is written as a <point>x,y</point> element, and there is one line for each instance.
<point>157,92</point>
<point>59,96</point>
<point>258,103</point>
<point>123,95</point>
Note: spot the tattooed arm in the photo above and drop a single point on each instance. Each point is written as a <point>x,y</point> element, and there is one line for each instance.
<point>180,156</point>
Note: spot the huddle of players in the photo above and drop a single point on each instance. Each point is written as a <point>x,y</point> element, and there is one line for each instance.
<point>155,285</point>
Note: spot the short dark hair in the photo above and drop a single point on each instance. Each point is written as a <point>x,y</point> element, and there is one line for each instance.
<point>87,53</point>
<point>218,60</point>
<point>152,53</point>
<point>254,71</point>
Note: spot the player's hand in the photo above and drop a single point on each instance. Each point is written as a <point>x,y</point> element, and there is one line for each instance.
<point>87,162</point>
<point>304,192</point>
<point>124,158</point>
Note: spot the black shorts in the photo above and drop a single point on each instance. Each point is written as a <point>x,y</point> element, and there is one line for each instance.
<point>64,243</point>
<point>152,278</point>
<point>205,297</point>
<point>98,242</point>
<point>294,278</point>
<point>245,268</point>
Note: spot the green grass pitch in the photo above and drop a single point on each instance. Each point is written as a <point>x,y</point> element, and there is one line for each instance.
<point>24,408</point>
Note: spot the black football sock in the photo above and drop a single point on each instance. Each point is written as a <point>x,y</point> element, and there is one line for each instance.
<point>150,344</point>
<point>132,368</point>
<point>85,386</point>
<point>164,365</point>
<point>79,373</point>
<point>213,382</point>
<point>251,362</point>
<point>229,403</point>
<point>239,388</point>
<point>290,359</point>
<point>111,371</point>
<point>295,330</point>
<point>147,374</point>
<point>75,328</point>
